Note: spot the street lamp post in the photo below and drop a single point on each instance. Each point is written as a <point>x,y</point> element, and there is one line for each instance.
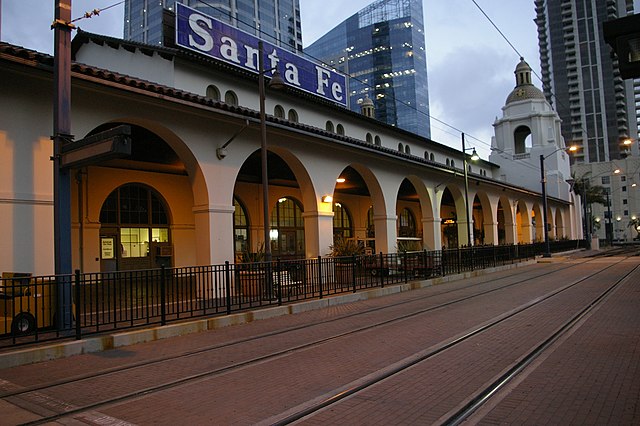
<point>587,216</point>
<point>609,226</point>
<point>543,177</point>
<point>543,181</point>
<point>263,154</point>
<point>474,156</point>
<point>61,176</point>
<point>276,82</point>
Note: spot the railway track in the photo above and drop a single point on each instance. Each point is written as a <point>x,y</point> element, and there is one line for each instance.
<point>342,328</point>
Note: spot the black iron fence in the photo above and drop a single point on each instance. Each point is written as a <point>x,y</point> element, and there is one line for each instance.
<point>119,300</point>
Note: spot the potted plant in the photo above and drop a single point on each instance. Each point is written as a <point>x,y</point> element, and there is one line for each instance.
<point>252,272</point>
<point>343,251</point>
<point>407,251</point>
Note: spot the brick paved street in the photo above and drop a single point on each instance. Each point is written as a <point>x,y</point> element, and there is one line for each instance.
<point>268,368</point>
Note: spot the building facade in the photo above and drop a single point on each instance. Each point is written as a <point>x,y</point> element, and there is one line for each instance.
<point>276,21</point>
<point>620,180</point>
<point>581,78</point>
<point>192,185</point>
<point>382,49</point>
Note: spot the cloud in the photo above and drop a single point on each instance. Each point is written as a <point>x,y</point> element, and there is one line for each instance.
<point>319,17</point>
<point>27,23</point>
<point>468,88</point>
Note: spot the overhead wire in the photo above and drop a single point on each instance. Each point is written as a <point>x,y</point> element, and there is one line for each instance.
<point>352,77</point>
<point>96,12</point>
<point>263,34</point>
<point>552,94</point>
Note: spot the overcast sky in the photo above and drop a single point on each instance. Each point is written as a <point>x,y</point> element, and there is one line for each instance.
<point>470,66</point>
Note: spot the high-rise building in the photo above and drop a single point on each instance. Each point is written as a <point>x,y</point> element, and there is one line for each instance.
<point>275,21</point>
<point>581,78</point>
<point>382,49</point>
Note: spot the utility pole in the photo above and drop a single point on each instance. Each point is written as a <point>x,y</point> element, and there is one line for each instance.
<point>62,27</point>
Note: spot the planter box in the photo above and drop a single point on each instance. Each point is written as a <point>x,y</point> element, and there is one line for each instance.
<point>252,283</point>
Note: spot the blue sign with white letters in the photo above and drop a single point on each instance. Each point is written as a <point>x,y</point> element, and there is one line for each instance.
<point>206,35</point>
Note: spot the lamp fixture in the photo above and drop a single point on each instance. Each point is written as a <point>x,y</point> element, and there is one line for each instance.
<point>276,82</point>
<point>327,199</point>
<point>341,180</point>
<point>474,155</point>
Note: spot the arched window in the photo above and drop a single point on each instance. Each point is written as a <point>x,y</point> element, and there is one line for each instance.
<point>293,116</point>
<point>136,218</point>
<point>432,157</point>
<point>378,142</point>
<point>369,138</point>
<point>340,129</point>
<point>407,224</point>
<point>240,228</point>
<point>329,126</point>
<point>448,162</point>
<point>426,155</point>
<point>213,92</point>
<point>231,98</point>
<point>287,229</point>
<point>522,139</point>
<point>453,163</point>
<point>341,222</point>
<point>400,147</point>
<point>407,149</point>
<point>278,111</point>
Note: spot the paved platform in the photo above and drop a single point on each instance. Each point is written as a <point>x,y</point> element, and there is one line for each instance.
<point>62,349</point>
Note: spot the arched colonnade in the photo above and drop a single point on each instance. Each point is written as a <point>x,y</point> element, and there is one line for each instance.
<point>318,190</point>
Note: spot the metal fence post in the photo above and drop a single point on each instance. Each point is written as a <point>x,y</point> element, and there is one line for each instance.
<point>227,285</point>
<point>279,274</point>
<point>473,254</point>
<point>405,267</point>
<point>320,276</point>
<point>353,272</point>
<point>163,296</point>
<point>78,306</point>
<point>381,270</point>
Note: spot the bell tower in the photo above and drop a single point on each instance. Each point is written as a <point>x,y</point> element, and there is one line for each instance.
<point>529,127</point>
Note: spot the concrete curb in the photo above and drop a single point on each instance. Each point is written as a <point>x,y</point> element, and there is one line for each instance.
<point>58,350</point>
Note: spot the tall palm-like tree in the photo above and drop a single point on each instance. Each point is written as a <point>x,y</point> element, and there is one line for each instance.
<point>594,193</point>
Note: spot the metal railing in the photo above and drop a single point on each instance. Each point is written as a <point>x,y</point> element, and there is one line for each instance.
<point>110,301</point>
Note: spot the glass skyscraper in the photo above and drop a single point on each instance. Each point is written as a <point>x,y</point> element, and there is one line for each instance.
<point>275,21</point>
<point>581,79</point>
<point>382,49</point>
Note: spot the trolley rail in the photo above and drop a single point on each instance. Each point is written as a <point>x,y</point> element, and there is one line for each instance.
<point>480,290</point>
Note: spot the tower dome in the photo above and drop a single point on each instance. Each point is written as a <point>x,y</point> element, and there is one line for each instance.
<point>524,87</point>
<point>367,107</point>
